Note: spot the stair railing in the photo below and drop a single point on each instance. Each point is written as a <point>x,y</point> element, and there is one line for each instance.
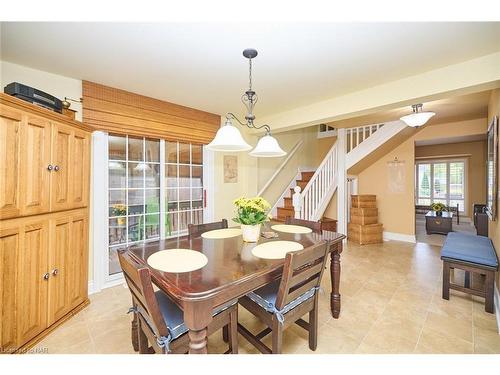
<point>355,136</point>
<point>313,195</point>
<point>280,168</point>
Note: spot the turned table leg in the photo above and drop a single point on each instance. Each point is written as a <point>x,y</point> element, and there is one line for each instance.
<point>335,276</point>
<point>197,317</point>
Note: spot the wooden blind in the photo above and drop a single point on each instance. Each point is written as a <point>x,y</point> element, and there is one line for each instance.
<point>123,112</point>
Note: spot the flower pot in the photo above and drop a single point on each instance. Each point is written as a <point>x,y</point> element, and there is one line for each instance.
<point>250,233</point>
<point>120,221</point>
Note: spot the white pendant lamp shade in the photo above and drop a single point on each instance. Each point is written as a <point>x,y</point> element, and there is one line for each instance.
<point>417,118</point>
<point>228,139</point>
<point>267,147</point>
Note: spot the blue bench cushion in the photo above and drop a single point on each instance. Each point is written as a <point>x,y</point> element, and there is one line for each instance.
<point>265,297</point>
<point>469,248</point>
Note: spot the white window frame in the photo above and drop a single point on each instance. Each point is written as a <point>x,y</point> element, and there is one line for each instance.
<point>99,220</point>
<point>447,161</point>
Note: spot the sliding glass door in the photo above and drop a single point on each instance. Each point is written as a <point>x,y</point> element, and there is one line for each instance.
<point>155,189</point>
<point>441,181</point>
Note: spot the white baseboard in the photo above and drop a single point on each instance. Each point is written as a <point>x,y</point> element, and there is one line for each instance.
<point>497,307</point>
<point>91,289</point>
<point>399,237</point>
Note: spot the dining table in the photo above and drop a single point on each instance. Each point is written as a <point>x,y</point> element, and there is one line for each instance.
<point>231,272</point>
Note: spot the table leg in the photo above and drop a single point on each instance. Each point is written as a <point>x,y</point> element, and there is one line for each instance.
<point>335,276</point>
<point>197,317</point>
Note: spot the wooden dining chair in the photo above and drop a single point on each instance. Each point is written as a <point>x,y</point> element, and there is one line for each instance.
<point>197,229</point>
<point>161,327</point>
<point>314,225</point>
<point>283,302</point>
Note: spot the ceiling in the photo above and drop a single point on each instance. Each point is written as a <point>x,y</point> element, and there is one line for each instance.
<point>200,65</point>
<point>451,109</point>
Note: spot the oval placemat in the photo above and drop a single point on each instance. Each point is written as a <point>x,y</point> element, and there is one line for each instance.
<point>177,260</point>
<point>275,249</point>
<point>298,229</point>
<point>222,233</point>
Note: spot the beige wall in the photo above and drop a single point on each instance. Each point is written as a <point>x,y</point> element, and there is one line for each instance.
<point>396,210</point>
<point>476,167</point>
<point>494,226</point>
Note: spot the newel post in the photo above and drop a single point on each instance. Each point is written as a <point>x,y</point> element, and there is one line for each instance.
<point>297,201</point>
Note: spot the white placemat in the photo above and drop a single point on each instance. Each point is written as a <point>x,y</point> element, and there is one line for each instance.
<point>222,233</point>
<point>291,228</point>
<point>275,249</point>
<point>177,260</point>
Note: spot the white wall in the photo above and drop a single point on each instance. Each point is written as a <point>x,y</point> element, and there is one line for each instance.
<point>52,84</point>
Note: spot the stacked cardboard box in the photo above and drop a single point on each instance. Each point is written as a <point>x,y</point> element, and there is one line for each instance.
<point>363,227</point>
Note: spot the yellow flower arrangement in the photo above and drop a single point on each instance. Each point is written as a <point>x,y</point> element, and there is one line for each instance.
<point>119,210</point>
<point>251,211</point>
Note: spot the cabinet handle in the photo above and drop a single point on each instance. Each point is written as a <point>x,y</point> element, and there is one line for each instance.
<point>49,167</point>
<point>46,276</point>
<point>56,168</point>
<point>55,271</point>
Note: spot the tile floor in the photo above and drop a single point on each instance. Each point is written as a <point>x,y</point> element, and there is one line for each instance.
<point>438,239</point>
<point>391,303</point>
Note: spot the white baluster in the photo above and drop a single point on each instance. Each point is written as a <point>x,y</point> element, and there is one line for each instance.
<point>297,201</point>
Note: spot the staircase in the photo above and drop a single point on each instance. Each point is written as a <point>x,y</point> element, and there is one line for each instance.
<point>317,187</point>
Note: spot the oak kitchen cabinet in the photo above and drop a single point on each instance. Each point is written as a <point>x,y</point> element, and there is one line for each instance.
<point>44,195</point>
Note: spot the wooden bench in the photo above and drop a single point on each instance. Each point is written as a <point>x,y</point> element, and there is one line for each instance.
<point>474,255</point>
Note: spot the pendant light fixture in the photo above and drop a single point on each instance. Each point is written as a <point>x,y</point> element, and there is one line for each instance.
<point>229,138</point>
<point>417,118</point>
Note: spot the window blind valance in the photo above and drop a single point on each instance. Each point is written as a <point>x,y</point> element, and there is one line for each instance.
<point>118,111</point>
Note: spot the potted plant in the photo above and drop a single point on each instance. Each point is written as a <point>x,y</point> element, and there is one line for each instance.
<point>438,208</point>
<point>119,210</point>
<point>251,213</point>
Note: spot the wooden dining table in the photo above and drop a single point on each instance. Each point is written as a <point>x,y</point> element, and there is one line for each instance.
<point>231,272</point>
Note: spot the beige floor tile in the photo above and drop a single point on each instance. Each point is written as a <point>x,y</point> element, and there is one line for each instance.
<point>435,342</point>
<point>486,340</point>
<point>381,340</point>
<point>460,328</point>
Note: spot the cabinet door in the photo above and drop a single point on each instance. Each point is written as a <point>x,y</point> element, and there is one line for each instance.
<point>35,159</point>
<point>10,245</point>
<point>79,169</point>
<point>60,176</point>
<point>10,153</point>
<point>68,261</point>
<point>32,284</point>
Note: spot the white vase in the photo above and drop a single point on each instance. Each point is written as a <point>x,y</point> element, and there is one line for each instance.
<point>250,233</point>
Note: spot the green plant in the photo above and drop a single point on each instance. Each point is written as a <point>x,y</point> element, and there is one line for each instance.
<point>251,211</point>
<point>438,207</point>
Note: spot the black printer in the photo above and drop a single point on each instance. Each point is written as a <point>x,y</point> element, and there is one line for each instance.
<point>33,96</point>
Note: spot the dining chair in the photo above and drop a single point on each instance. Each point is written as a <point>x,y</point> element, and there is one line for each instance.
<point>197,229</point>
<point>160,322</point>
<point>283,302</point>
<point>314,225</point>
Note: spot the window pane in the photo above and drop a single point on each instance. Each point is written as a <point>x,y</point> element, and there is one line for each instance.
<point>135,201</point>
<point>196,154</point>
<point>117,147</point>
<point>457,190</point>
<point>117,203</point>
<point>171,152</point>
<point>197,204</point>
<point>153,150</point>
<point>116,173</point>
<point>152,200</point>
<point>135,228</point>
<point>196,176</point>
<point>197,194</point>
<point>135,149</point>
<point>461,206</point>
<point>136,175</point>
<point>152,226</point>
<point>171,175</point>
<point>198,217</point>
<point>439,183</point>
<point>184,218</point>
<point>424,177</point>
<point>184,176</point>
<point>184,194</point>
<point>152,173</point>
<point>171,223</point>
<point>117,230</point>
<point>184,153</point>
<point>114,263</point>
<point>424,202</point>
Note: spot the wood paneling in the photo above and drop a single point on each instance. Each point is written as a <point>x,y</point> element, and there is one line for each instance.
<point>119,111</point>
<point>10,153</point>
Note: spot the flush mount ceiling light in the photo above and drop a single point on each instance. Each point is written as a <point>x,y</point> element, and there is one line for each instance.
<point>417,118</point>
<point>228,137</point>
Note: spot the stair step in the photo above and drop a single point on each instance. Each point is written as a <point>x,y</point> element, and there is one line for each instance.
<point>306,176</point>
<point>288,202</point>
<point>302,184</point>
<point>284,212</point>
